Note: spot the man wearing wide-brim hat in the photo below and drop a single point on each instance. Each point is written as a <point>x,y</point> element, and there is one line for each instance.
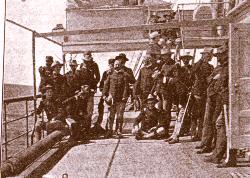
<point>201,70</point>
<point>151,120</point>
<point>73,83</point>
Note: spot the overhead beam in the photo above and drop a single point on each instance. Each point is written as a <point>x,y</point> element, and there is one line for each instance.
<point>133,45</point>
<point>173,24</point>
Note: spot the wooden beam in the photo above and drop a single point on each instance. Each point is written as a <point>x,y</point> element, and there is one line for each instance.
<point>133,45</point>
<point>143,27</point>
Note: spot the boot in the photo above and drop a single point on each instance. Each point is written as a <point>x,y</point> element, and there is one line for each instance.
<point>173,141</point>
<point>231,161</point>
<point>199,146</point>
<point>205,149</point>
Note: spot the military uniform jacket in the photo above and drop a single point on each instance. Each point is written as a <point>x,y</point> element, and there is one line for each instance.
<point>86,77</point>
<point>104,78</point>
<point>214,86</point>
<point>94,73</point>
<point>116,85</point>
<point>51,108</point>
<point>73,83</point>
<point>145,81</point>
<point>46,77</point>
<point>181,81</point>
<point>201,70</point>
<point>150,118</point>
<point>60,86</point>
<point>129,74</point>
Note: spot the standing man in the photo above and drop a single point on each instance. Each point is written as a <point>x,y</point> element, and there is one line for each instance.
<point>88,76</point>
<point>72,77</point>
<point>93,67</point>
<point>115,91</point>
<point>145,81</point>
<point>46,74</point>
<point>201,70</point>
<point>59,82</point>
<point>105,75</point>
<point>154,49</point>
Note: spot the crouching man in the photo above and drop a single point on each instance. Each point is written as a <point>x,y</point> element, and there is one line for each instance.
<point>151,121</point>
<point>54,112</point>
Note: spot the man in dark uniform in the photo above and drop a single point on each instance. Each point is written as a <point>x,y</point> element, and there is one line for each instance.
<point>92,66</point>
<point>151,120</point>
<point>79,112</point>
<point>186,58</point>
<point>181,84</point>
<point>164,87</point>
<point>46,74</point>
<point>213,109</point>
<point>145,82</point>
<point>105,75</point>
<point>115,92</point>
<point>59,82</point>
<point>72,77</point>
<point>201,70</point>
<point>55,114</point>
<point>87,77</point>
<point>223,96</point>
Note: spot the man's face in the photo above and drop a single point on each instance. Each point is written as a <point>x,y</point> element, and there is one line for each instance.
<point>207,56</point>
<point>117,65</point>
<point>49,93</point>
<point>57,69</point>
<point>111,66</point>
<point>186,62</point>
<point>150,104</point>
<point>73,67</point>
<point>122,62</point>
<point>48,63</point>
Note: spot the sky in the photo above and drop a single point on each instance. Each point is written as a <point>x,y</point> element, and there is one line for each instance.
<point>41,16</point>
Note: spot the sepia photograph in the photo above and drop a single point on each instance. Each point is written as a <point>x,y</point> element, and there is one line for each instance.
<point>125,88</point>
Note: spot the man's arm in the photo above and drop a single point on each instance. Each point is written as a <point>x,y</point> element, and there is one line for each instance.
<point>104,77</point>
<point>97,73</point>
<point>106,87</point>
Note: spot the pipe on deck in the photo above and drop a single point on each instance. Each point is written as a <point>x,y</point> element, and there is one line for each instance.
<point>20,161</point>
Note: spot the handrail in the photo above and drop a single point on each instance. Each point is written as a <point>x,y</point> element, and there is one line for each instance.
<point>22,98</point>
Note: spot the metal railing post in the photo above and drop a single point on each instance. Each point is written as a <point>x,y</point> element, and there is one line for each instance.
<point>34,76</point>
<point>5,132</point>
<point>27,123</point>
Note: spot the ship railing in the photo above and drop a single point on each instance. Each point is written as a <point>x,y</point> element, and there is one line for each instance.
<point>6,122</point>
<point>26,116</point>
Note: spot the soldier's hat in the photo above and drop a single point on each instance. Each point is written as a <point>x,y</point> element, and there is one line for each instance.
<point>221,50</point>
<point>154,35</point>
<point>49,59</point>
<point>121,56</point>
<point>73,63</point>
<point>111,61</point>
<point>87,53</point>
<point>186,56</point>
<point>151,98</point>
<point>207,50</point>
<point>57,63</point>
<point>48,87</point>
<point>88,58</point>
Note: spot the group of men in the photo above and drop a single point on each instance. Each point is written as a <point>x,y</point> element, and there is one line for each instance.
<point>198,93</point>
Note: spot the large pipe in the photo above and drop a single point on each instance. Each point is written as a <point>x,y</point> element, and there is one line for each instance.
<point>20,161</point>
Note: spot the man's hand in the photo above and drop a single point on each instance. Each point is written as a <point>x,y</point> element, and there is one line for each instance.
<point>152,129</point>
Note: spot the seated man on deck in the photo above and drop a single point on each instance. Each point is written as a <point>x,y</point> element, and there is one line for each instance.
<point>151,120</point>
<point>54,112</point>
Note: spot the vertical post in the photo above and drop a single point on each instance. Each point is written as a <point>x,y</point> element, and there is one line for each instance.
<point>5,132</point>
<point>34,76</point>
<point>64,63</point>
<point>27,123</point>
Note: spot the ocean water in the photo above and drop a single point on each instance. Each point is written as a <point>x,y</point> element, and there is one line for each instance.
<point>15,111</point>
